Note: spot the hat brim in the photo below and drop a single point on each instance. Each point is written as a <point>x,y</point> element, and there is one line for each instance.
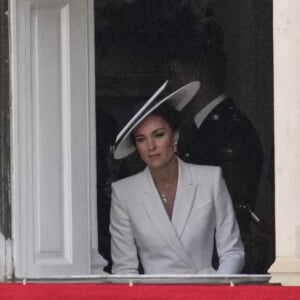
<point>178,99</point>
<point>140,111</point>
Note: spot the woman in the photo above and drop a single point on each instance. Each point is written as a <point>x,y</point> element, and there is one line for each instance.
<point>169,214</point>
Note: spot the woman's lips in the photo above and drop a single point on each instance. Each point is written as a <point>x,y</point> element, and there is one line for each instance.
<point>153,156</point>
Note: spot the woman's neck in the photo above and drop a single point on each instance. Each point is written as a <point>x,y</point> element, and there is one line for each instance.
<point>168,174</point>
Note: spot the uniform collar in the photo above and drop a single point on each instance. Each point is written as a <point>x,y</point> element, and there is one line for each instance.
<point>203,113</point>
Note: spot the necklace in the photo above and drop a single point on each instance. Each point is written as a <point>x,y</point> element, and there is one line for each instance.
<point>164,198</point>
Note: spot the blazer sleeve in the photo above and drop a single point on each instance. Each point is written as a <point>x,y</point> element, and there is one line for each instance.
<point>123,248</point>
<point>228,241</point>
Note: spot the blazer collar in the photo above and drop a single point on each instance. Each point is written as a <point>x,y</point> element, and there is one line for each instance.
<point>184,200</point>
<point>170,231</point>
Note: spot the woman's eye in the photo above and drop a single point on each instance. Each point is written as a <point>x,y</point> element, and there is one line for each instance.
<point>159,134</point>
<point>139,139</point>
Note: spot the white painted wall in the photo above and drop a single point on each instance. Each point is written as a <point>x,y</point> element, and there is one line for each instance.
<point>286,268</point>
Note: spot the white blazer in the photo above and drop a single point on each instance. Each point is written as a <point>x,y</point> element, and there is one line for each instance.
<point>203,209</point>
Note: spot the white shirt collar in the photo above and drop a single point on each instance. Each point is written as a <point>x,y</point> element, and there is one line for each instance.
<point>203,113</point>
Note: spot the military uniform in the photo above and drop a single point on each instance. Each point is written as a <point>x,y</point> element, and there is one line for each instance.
<point>227,138</point>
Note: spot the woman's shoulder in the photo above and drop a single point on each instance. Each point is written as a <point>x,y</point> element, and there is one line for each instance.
<point>201,174</point>
<point>128,181</point>
<point>202,168</point>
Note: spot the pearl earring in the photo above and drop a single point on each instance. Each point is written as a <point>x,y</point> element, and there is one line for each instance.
<point>175,148</point>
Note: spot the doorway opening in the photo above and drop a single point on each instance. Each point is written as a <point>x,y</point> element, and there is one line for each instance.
<point>134,41</point>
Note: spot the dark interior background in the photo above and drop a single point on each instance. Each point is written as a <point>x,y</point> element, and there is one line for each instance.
<point>131,65</point>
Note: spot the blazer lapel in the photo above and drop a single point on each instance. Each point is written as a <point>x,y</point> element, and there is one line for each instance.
<point>158,215</point>
<point>184,198</point>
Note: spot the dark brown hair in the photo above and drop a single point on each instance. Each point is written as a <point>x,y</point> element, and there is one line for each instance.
<point>169,114</point>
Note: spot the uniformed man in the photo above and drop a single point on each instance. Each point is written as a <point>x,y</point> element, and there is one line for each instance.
<point>216,132</point>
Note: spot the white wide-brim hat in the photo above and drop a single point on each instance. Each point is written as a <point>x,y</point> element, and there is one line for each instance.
<point>178,99</point>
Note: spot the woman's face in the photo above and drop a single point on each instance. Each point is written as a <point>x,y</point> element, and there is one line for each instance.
<point>154,141</point>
